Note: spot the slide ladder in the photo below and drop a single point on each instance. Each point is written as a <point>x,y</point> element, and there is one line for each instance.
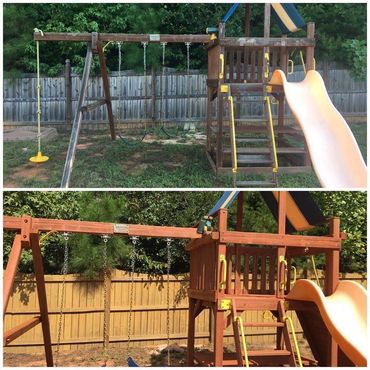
<point>287,351</point>
<point>250,150</point>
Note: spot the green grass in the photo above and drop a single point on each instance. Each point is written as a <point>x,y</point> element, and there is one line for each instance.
<point>102,163</point>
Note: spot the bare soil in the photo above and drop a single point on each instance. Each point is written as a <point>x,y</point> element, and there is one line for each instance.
<point>150,356</point>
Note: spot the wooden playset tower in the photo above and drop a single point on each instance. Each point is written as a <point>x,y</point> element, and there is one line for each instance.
<point>239,71</point>
<point>233,271</point>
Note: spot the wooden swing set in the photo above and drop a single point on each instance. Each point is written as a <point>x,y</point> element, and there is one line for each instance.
<point>238,68</point>
<point>231,271</point>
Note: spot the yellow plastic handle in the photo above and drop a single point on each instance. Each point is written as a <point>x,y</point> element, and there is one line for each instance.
<point>285,263</point>
<point>290,66</point>
<point>222,61</point>
<point>223,267</point>
<point>314,64</point>
<point>294,274</point>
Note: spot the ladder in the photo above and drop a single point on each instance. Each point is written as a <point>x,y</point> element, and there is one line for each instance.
<point>284,351</point>
<point>251,151</point>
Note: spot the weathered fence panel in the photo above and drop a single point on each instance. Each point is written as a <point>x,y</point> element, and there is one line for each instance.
<point>84,309</point>
<point>174,97</point>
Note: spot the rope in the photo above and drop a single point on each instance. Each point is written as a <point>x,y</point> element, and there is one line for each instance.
<point>60,319</point>
<point>38,88</point>
<point>188,75</point>
<point>145,44</point>
<point>169,242</point>
<point>239,321</point>
<point>120,83</point>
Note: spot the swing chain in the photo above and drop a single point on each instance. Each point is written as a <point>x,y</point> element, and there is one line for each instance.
<point>105,239</point>
<point>134,241</point>
<point>163,44</point>
<point>64,272</point>
<point>120,82</point>
<point>188,74</point>
<point>145,44</point>
<point>168,243</point>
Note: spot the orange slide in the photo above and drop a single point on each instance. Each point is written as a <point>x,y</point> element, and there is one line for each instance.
<point>335,155</point>
<point>344,314</point>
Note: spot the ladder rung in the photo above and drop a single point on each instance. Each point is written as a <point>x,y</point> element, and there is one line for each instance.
<point>253,159</point>
<point>251,140</point>
<point>266,150</point>
<point>16,332</point>
<point>265,324</point>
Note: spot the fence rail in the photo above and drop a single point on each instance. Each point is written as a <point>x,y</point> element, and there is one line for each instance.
<point>176,97</point>
<point>84,312</point>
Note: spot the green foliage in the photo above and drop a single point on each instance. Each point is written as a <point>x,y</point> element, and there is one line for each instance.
<point>356,54</point>
<point>64,205</point>
<point>168,209</point>
<point>87,250</point>
<point>341,32</point>
<point>352,210</point>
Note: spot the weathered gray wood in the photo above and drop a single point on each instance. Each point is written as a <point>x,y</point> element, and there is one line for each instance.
<point>19,97</point>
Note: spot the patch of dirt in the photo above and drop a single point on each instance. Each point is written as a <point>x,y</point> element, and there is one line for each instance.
<point>150,356</point>
<point>29,171</point>
<point>83,146</point>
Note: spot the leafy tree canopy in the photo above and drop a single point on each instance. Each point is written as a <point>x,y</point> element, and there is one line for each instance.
<point>171,209</point>
<point>341,32</point>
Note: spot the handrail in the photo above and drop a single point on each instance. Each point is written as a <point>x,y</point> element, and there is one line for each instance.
<point>224,270</point>
<point>233,139</point>
<point>291,65</point>
<point>276,164</point>
<point>239,321</point>
<point>297,351</point>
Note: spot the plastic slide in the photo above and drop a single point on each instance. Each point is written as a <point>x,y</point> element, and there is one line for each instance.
<point>344,315</point>
<point>335,155</point>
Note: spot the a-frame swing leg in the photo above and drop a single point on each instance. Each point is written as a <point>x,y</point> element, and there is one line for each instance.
<point>76,126</point>
<point>28,241</point>
<point>41,293</point>
<point>107,96</point>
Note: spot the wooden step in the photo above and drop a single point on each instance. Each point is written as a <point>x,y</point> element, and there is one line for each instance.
<point>253,159</point>
<point>263,358</point>
<point>251,140</point>
<point>280,150</point>
<point>255,184</point>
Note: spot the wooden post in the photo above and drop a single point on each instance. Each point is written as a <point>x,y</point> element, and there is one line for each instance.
<point>266,27</point>
<point>247,20</point>
<point>209,117</point>
<point>11,271</point>
<point>220,103</point>
<point>68,89</point>
<point>239,220</point>
<point>191,332</point>
<point>310,50</point>
<point>77,120</point>
<point>219,337</point>
<point>282,212</point>
<point>331,283</point>
<point>41,295</point>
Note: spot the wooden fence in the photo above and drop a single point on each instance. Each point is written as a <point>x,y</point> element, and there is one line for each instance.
<point>84,312</point>
<point>176,97</point>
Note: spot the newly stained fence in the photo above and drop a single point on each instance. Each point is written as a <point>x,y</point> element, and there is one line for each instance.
<point>84,308</point>
<point>174,97</point>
